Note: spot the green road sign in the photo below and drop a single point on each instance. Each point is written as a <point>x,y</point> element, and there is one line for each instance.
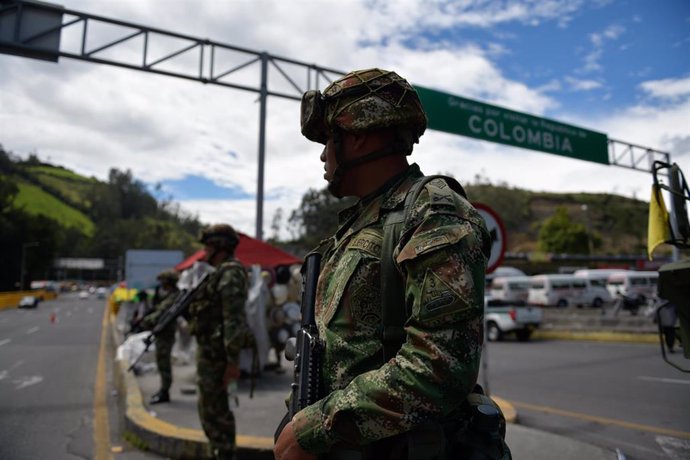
<point>457,115</point>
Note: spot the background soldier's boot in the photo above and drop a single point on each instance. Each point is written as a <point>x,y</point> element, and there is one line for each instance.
<point>161,397</point>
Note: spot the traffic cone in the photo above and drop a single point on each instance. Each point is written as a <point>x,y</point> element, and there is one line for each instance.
<point>52,318</point>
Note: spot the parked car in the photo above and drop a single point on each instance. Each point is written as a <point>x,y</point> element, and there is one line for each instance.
<point>503,272</point>
<point>506,317</point>
<point>28,301</point>
<point>84,295</point>
<point>513,288</point>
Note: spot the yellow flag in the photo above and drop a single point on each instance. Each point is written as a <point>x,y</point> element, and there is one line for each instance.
<point>658,230</point>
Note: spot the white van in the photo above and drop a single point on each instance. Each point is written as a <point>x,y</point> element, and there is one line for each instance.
<point>557,290</point>
<point>511,288</point>
<point>640,285</point>
<point>597,292</point>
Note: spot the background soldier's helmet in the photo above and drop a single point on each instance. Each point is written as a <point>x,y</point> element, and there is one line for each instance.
<point>168,276</point>
<point>222,236</point>
<point>361,101</point>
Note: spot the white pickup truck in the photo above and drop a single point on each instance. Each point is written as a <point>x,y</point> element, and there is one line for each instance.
<point>505,317</point>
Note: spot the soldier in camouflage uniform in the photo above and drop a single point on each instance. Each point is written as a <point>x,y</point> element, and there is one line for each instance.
<point>218,321</point>
<point>368,122</point>
<point>166,339</point>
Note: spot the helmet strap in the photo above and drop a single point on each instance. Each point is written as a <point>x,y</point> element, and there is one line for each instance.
<point>398,147</point>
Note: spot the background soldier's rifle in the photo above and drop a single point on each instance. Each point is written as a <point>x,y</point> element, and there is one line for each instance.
<point>179,306</point>
<point>306,350</point>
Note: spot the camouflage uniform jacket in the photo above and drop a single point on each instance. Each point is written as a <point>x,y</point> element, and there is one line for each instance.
<point>217,313</point>
<point>163,304</point>
<point>442,255</point>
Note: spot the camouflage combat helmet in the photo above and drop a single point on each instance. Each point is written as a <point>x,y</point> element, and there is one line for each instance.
<point>361,101</point>
<point>168,276</point>
<point>223,236</point>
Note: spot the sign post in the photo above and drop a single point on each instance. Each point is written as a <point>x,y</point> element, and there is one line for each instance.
<point>498,235</point>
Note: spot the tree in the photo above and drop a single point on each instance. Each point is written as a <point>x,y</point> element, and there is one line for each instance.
<point>317,216</point>
<point>17,228</point>
<point>560,234</point>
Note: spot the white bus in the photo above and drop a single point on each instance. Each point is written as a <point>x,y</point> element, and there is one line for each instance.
<point>557,290</point>
<point>639,285</point>
<point>511,288</point>
<point>597,292</point>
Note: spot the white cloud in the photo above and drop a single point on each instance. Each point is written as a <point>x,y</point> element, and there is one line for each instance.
<point>612,32</point>
<point>582,85</point>
<point>598,39</point>
<point>91,118</point>
<point>669,88</point>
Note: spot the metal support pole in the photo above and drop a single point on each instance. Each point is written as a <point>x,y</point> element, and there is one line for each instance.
<point>263,95</point>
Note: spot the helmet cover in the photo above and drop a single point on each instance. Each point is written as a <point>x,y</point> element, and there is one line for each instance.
<point>362,101</point>
<point>220,235</point>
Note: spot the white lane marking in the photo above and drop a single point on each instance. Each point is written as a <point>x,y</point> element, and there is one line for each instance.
<point>4,374</point>
<point>663,380</point>
<point>17,364</point>
<point>24,382</point>
<point>33,329</point>
<point>676,449</point>
<point>4,341</point>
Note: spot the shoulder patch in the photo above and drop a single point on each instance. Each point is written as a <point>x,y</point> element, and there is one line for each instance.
<point>428,240</point>
<point>440,194</point>
<point>439,299</point>
<point>368,241</point>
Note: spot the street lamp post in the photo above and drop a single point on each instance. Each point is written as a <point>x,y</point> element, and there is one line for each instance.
<point>25,246</point>
<point>589,230</point>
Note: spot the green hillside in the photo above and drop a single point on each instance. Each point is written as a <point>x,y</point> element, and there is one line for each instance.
<point>35,200</point>
<point>69,215</point>
<point>69,186</point>
<point>617,224</point>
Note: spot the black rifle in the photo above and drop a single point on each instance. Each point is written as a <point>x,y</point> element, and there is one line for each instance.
<point>179,306</point>
<point>307,349</point>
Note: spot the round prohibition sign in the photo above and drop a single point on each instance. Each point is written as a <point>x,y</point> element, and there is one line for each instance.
<point>498,235</point>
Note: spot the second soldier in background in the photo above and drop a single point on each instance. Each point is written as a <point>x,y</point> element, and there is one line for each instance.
<point>218,321</point>
<point>167,293</point>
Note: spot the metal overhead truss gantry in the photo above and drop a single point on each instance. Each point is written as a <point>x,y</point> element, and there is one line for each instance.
<point>631,156</point>
<point>47,31</point>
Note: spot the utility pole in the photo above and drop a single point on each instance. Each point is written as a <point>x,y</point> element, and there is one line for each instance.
<point>589,230</point>
<point>25,246</point>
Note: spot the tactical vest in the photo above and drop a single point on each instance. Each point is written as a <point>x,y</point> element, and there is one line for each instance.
<point>478,431</point>
<point>205,312</point>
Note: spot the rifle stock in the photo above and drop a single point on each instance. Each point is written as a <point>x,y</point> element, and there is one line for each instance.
<point>179,306</point>
<point>307,352</point>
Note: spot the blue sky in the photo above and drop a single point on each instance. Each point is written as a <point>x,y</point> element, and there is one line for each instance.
<point>621,67</point>
<point>196,187</point>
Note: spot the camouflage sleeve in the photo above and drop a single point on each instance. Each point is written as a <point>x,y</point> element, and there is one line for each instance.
<point>437,366</point>
<point>233,295</point>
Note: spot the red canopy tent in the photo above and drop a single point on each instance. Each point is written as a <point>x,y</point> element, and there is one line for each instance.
<point>250,251</point>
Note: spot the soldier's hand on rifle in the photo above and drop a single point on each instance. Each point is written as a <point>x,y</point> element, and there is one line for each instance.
<point>232,372</point>
<point>287,447</point>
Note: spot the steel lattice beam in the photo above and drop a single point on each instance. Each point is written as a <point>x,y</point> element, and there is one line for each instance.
<point>631,156</point>
<point>211,62</point>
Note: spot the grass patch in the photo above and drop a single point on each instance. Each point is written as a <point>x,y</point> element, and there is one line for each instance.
<point>76,192</point>
<point>135,441</point>
<point>35,201</point>
<point>62,173</point>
